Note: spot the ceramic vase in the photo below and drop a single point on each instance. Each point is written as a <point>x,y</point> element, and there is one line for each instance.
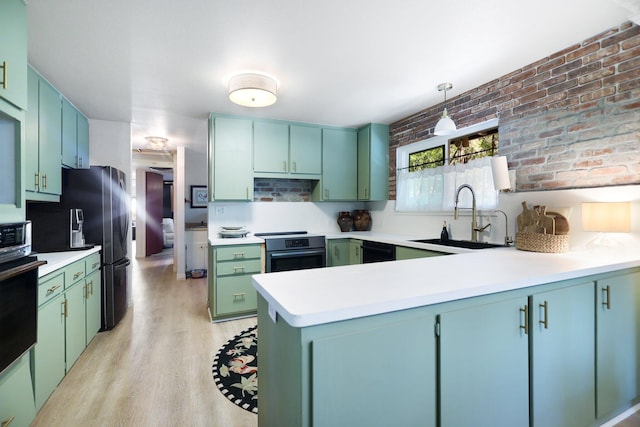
<point>361,220</point>
<point>345,221</point>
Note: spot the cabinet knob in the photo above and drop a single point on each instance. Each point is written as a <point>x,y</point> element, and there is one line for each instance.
<point>52,289</point>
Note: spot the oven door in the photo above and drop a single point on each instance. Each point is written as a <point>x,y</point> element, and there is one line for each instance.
<point>295,260</point>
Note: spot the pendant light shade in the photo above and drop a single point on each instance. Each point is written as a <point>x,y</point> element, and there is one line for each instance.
<point>253,90</point>
<point>445,125</point>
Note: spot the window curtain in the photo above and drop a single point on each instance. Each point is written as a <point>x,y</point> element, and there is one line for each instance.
<point>434,189</point>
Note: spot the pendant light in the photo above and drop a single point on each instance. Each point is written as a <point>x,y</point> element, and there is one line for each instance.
<point>445,125</point>
<point>253,90</point>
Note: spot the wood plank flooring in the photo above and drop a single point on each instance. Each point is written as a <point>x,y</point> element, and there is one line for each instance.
<point>154,367</point>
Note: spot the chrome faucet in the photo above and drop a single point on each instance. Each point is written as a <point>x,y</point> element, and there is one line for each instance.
<point>507,239</point>
<point>474,214</point>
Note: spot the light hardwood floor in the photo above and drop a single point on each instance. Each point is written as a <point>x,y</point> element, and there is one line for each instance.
<point>154,367</point>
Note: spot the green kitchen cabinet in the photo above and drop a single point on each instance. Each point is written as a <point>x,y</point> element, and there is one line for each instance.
<point>75,137</point>
<point>618,341</point>
<point>43,172</point>
<point>355,251</point>
<point>75,334</point>
<point>270,147</point>
<point>16,395</point>
<point>339,165</point>
<point>285,150</point>
<point>13,52</point>
<point>344,252</point>
<point>47,357</point>
<point>404,252</point>
<point>93,320</point>
<point>353,372</point>
<point>230,158</point>
<point>305,149</point>
<point>373,162</point>
<point>563,356</point>
<point>230,292</point>
<point>484,373</point>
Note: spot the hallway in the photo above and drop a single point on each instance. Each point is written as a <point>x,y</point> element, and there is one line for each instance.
<point>154,368</point>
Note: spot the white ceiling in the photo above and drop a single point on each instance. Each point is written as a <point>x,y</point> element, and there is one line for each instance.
<point>163,65</point>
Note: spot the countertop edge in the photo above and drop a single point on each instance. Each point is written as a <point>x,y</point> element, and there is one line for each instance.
<point>58,260</point>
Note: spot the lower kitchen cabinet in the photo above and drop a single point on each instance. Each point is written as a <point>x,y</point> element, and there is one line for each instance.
<point>69,316</point>
<point>562,357</point>
<point>197,247</point>
<point>231,292</point>
<point>618,340</point>
<point>16,395</point>
<point>354,372</point>
<point>484,361</point>
<point>344,252</point>
<point>47,360</point>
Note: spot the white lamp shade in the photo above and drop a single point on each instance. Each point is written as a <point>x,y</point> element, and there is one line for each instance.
<point>253,90</point>
<point>606,217</point>
<point>500,172</point>
<point>445,125</point>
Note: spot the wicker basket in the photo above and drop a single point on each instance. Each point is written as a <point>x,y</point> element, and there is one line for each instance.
<point>538,242</point>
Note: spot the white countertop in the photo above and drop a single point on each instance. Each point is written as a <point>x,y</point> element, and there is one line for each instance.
<point>57,260</point>
<point>324,295</point>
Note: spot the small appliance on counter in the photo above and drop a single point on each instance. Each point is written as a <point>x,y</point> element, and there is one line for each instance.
<point>77,235</point>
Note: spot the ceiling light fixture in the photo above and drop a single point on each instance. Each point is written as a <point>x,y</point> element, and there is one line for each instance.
<point>445,125</point>
<point>253,90</point>
<point>157,142</point>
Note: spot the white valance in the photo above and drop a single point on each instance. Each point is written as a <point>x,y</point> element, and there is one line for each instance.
<point>434,189</point>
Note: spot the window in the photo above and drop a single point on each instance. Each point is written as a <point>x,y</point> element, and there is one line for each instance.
<point>428,172</point>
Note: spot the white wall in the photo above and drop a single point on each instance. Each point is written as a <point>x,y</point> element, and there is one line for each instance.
<point>195,173</point>
<point>110,145</point>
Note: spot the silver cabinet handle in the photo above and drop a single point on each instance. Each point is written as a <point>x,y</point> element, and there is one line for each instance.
<point>545,321</point>
<point>606,299</point>
<point>241,268</point>
<point>239,296</point>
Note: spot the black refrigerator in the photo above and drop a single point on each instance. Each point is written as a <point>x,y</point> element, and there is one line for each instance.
<point>101,192</point>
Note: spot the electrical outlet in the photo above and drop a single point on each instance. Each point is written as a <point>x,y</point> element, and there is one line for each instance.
<point>219,210</point>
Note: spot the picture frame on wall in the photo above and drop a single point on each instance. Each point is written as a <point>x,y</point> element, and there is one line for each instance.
<point>199,196</point>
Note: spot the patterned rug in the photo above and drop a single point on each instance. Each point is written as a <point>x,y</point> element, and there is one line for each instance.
<point>235,369</point>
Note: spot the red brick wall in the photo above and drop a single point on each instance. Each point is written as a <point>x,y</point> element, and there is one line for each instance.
<point>569,120</point>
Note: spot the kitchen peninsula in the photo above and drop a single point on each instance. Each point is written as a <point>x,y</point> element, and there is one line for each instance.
<point>451,340</point>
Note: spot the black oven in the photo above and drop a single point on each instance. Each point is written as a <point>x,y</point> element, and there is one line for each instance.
<point>18,293</point>
<point>293,251</point>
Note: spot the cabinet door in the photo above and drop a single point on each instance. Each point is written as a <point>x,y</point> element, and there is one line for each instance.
<point>562,363</point>
<point>231,151</point>
<point>31,174</point>
<point>48,354</point>
<point>92,305</point>
<point>618,365</point>
<point>366,379</point>
<point>83,142</point>
<point>235,294</point>
<point>16,395</point>
<point>305,148</point>
<point>69,135</point>
<point>75,337</point>
<point>373,162</point>
<point>484,370</point>
<point>13,52</point>
<point>50,139</point>
<point>270,147</point>
<point>339,164</point>
<point>338,252</point>
<point>355,251</point>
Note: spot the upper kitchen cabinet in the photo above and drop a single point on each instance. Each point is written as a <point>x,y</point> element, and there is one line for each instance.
<point>339,160</point>
<point>12,131</point>
<point>230,158</point>
<point>373,162</point>
<point>305,149</point>
<point>283,150</point>
<point>270,147</point>
<point>13,52</point>
<point>43,173</point>
<point>75,137</point>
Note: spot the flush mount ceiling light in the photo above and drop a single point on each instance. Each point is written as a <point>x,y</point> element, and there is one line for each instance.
<point>157,142</point>
<point>253,90</point>
<point>445,125</point>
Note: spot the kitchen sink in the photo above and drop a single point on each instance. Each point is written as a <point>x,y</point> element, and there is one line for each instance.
<point>460,243</point>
